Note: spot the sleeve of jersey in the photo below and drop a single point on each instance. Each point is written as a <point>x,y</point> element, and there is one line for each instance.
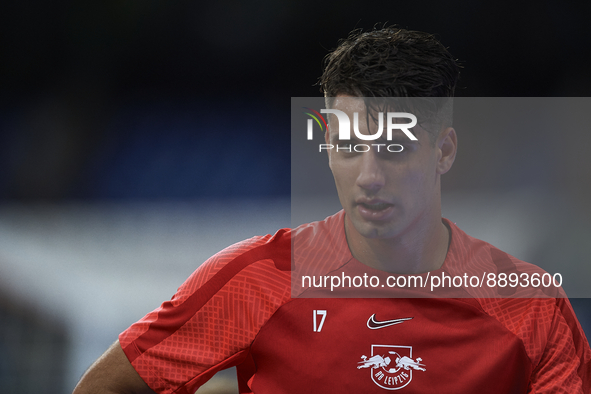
<point>210,322</point>
<point>565,364</point>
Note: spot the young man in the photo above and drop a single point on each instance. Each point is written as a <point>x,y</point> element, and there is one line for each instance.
<point>242,308</point>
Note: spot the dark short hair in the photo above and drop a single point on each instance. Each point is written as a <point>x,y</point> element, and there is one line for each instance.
<point>394,62</point>
<point>390,62</point>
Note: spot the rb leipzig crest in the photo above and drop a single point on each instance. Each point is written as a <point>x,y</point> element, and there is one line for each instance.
<point>391,366</point>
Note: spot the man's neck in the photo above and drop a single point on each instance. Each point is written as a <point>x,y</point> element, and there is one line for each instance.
<point>419,249</point>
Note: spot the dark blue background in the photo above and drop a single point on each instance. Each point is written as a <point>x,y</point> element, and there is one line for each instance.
<point>188,99</point>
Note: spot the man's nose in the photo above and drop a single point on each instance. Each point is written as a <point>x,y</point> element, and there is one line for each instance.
<point>371,175</point>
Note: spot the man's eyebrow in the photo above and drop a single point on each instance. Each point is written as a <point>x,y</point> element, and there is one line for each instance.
<point>397,139</point>
<point>353,140</point>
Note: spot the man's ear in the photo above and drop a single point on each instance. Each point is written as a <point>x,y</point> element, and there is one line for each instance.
<point>447,144</point>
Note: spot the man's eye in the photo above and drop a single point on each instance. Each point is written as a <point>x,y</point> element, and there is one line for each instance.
<point>345,148</point>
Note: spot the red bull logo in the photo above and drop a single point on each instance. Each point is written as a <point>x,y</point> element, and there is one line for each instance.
<point>391,366</point>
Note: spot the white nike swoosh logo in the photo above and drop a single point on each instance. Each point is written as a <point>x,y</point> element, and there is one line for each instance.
<point>374,325</point>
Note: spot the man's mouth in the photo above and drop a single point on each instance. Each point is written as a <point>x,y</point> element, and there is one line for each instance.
<point>374,209</point>
<point>378,206</point>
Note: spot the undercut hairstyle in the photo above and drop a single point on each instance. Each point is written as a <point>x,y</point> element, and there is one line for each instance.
<point>392,62</point>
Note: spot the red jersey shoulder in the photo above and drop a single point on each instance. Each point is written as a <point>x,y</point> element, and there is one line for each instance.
<point>541,317</point>
<point>219,310</point>
<point>502,274</point>
<point>552,338</point>
<point>233,260</point>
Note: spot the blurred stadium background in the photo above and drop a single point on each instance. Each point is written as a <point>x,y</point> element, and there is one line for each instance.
<point>137,138</point>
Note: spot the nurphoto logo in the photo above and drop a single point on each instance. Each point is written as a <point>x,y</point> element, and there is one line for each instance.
<point>345,130</point>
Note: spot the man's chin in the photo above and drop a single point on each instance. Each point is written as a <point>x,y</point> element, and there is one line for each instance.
<point>374,230</point>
